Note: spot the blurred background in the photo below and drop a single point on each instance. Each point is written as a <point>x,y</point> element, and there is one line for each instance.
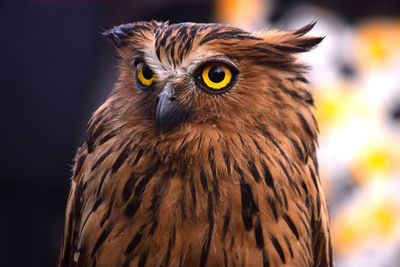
<point>56,68</point>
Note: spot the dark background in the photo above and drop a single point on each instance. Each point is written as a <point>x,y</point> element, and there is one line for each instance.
<point>55,69</point>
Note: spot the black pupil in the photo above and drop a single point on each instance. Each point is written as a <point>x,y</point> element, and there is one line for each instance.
<point>216,74</point>
<point>147,72</point>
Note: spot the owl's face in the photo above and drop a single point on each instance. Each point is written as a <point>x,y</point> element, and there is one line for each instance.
<point>208,75</point>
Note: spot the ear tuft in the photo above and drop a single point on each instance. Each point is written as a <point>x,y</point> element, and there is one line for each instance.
<point>295,41</point>
<point>119,34</point>
<point>305,29</point>
<point>305,44</point>
<point>302,43</point>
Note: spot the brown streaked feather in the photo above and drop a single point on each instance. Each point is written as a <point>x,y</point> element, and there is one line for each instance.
<point>235,184</point>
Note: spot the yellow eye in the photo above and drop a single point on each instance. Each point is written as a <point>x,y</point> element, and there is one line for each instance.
<point>144,76</point>
<point>216,76</point>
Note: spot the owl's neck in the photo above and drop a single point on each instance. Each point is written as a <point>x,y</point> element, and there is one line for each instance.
<point>221,150</point>
<point>203,146</point>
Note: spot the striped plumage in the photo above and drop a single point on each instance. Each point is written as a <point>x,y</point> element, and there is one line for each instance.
<point>227,179</point>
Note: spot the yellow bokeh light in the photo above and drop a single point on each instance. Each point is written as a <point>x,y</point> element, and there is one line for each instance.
<point>332,103</point>
<point>384,219</point>
<point>377,43</point>
<point>377,49</point>
<point>378,159</point>
<point>367,222</point>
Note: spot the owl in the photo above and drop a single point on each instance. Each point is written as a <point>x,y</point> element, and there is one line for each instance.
<point>204,154</point>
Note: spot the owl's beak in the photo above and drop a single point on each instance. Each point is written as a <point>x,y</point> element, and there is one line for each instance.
<point>169,113</point>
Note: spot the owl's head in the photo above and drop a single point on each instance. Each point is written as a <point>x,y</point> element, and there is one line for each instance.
<point>196,76</point>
